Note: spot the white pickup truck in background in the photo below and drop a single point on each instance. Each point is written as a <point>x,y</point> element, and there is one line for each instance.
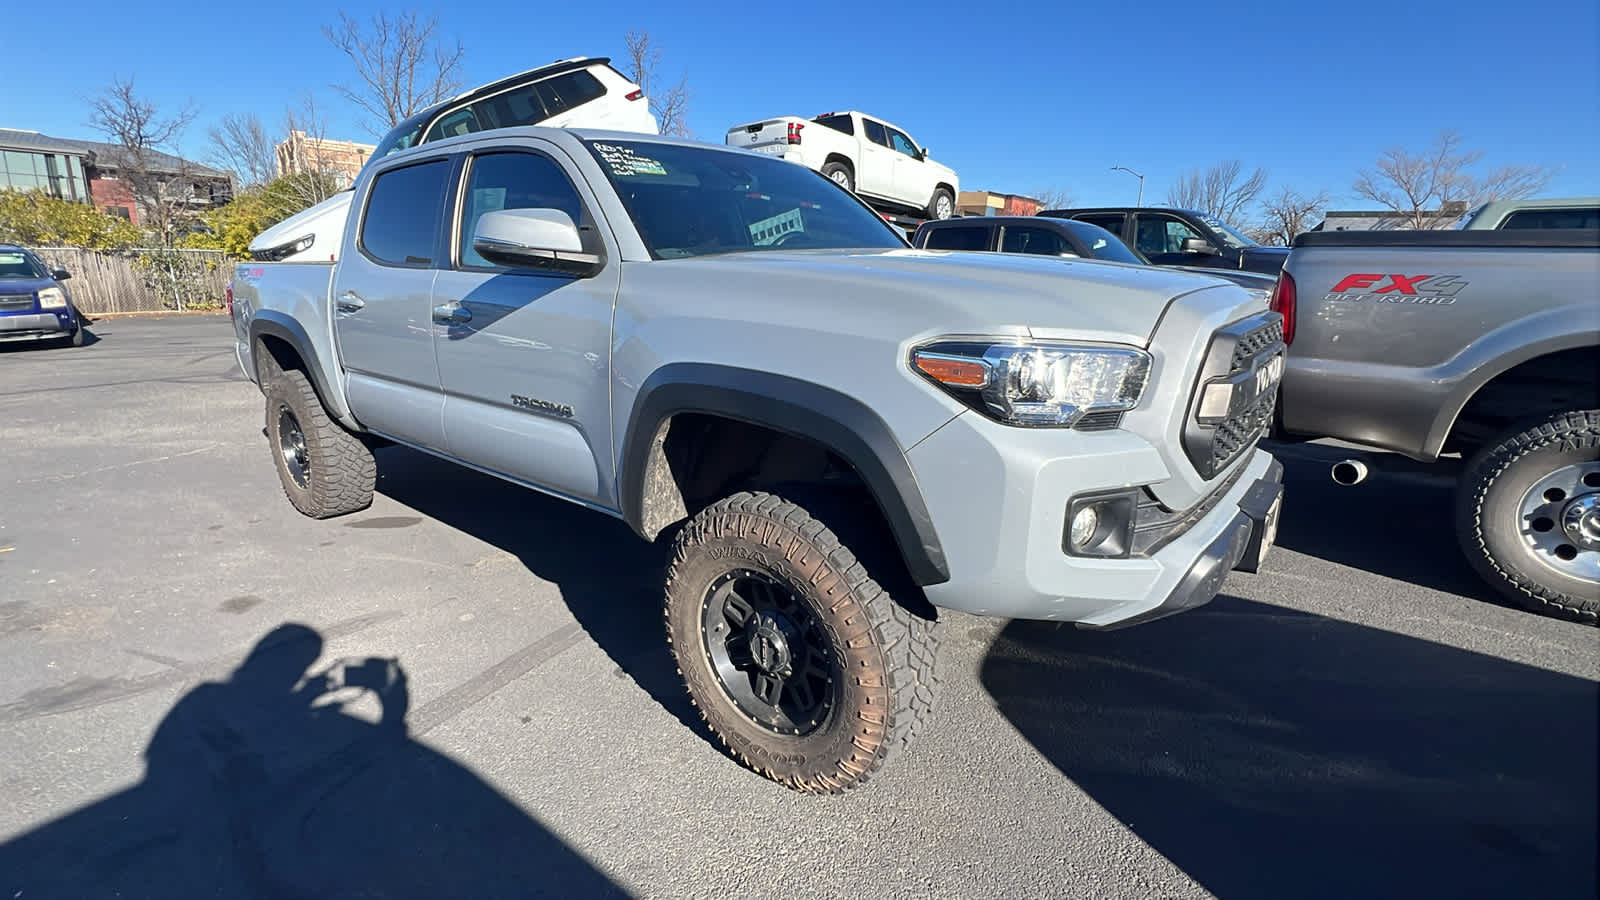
<point>876,160</point>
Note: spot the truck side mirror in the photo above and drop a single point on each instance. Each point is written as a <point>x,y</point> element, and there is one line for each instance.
<point>61,275</point>
<point>1198,245</point>
<point>922,154</point>
<point>544,239</point>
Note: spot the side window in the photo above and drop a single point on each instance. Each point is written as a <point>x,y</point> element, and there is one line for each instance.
<point>1111,222</point>
<point>876,133</point>
<point>513,181</point>
<point>1033,240</point>
<point>971,237</point>
<point>1552,218</point>
<point>1163,234</point>
<point>565,92</point>
<point>401,224</point>
<point>454,124</point>
<point>519,106</point>
<point>900,142</point>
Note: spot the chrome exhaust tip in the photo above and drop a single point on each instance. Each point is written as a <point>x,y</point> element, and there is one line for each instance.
<point>1349,472</point>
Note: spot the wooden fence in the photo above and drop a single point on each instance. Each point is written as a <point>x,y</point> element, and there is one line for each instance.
<point>142,279</point>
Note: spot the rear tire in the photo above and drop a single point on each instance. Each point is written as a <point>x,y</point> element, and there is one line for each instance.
<point>1510,515</point>
<point>840,174</point>
<point>758,588</point>
<point>325,470</point>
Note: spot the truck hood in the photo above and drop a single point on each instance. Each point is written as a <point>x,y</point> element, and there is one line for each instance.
<point>25,285</point>
<point>959,292</point>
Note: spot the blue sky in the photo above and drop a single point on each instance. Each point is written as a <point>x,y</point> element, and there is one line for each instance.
<point>1015,97</point>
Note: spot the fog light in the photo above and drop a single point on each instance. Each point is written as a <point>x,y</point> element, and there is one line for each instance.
<point>1215,402</point>
<point>1084,525</point>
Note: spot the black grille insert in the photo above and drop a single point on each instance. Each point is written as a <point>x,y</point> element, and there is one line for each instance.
<point>1237,354</point>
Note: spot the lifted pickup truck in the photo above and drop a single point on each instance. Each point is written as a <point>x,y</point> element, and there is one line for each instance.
<point>1474,347</point>
<point>837,433</point>
<point>878,161</point>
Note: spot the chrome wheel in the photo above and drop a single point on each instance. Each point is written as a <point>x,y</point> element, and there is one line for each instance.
<point>770,653</point>
<point>1560,520</point>
<point>841,178</point>
<point>943,207</point>
<point>292,447</point>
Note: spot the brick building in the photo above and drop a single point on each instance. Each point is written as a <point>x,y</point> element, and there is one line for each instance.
<point>88,172</point>
<point>300,153</point>
<point>989,203</point>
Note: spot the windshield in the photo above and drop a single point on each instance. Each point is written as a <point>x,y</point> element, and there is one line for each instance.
<point>1103,244</point>
<point>16,264</point>
<point>694,201</point>
<point>1229,236</point>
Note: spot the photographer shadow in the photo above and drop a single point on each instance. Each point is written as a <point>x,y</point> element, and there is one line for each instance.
<point>267,785</point>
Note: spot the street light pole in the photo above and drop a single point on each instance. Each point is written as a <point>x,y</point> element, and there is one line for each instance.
<point>1136,175</point>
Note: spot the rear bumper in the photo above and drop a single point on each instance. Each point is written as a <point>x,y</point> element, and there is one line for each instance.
<point>38,326</point>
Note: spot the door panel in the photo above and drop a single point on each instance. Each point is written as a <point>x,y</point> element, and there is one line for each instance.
<point>525,369</point>
<point>876,175</point>
<point>383,294</point>
<point>913,181</point>
<point>1160,237</point>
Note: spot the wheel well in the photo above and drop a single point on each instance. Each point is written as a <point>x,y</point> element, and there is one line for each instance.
<point>951,190</point>
<point>274,354</point>
<point>841,160</point>
<point>1556,382</point>
<point>699,458</point>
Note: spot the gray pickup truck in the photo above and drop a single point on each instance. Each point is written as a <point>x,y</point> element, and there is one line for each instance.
<point>1477,350</point>
<point>838,434</point>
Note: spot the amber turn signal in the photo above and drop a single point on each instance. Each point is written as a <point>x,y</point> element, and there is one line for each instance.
<point>953,371</point>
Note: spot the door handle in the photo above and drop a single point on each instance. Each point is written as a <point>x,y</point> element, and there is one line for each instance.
<point>350,302</point>
<point>452,314</point>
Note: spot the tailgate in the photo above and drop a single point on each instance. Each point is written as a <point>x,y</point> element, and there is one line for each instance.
<point>767,136</point>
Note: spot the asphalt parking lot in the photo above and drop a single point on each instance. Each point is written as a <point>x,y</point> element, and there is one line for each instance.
<point>1363,719</point>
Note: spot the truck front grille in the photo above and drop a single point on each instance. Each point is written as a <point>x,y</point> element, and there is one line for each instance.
<point>16,301</point>
<point>1236,354</point>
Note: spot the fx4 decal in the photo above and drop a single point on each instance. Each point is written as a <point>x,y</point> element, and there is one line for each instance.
<point>1439,290</point>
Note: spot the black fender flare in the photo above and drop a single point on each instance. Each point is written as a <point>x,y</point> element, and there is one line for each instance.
<point>285,328</point>
<point>837,421</point>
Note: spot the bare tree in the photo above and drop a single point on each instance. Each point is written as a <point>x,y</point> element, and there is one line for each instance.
<point>1432,188</point>
<point>146,162</point>
<point>403,66</point>
<point>1288,215</point>
<point>1222,190</point>
<point>240,144</point>
<point>671,105</point>
<point>1053,197</point>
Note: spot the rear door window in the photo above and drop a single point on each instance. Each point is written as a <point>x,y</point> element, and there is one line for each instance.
<point>1111,222</point>
<point>1552,218</point>
<point>843,124</point>
<point>876,133</point>
<point>569,90</point>
<point>958,237</point>
<point>404,209</point>
<point>1033,240</point>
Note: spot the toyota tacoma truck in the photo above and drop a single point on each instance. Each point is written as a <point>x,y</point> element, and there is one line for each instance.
<point>1477,352</point>
<point>876,160</point>
<point>837,434</point>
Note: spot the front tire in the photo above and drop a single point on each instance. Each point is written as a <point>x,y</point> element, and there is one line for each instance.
<point>942,206</point>
<point>325,470</point>
<point>1529,515</point>
<point>801,664</point>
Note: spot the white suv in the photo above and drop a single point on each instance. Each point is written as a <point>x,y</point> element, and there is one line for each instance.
<point>574,93</point>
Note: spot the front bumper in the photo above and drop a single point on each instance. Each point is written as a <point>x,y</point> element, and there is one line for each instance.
<point>38,326</point>
<point>999,495</point>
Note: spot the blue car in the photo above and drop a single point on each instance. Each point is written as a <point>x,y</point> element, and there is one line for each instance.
<point>34,304</point>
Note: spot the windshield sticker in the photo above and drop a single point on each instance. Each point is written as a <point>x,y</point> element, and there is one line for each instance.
<point>623,161</point>
<point>767,231</point>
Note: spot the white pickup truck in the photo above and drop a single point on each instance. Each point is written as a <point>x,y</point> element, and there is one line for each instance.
<point>871,157</point>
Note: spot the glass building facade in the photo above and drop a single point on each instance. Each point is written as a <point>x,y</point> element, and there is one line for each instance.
<point>58,174</point>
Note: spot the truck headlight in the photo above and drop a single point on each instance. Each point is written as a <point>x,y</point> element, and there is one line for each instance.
<point>1038,383</point>
<point>52,298</point>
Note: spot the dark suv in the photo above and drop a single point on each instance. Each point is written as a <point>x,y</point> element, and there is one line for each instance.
<point>1181,237</point>
<point>34,304</point>
<point>1055,237</point>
